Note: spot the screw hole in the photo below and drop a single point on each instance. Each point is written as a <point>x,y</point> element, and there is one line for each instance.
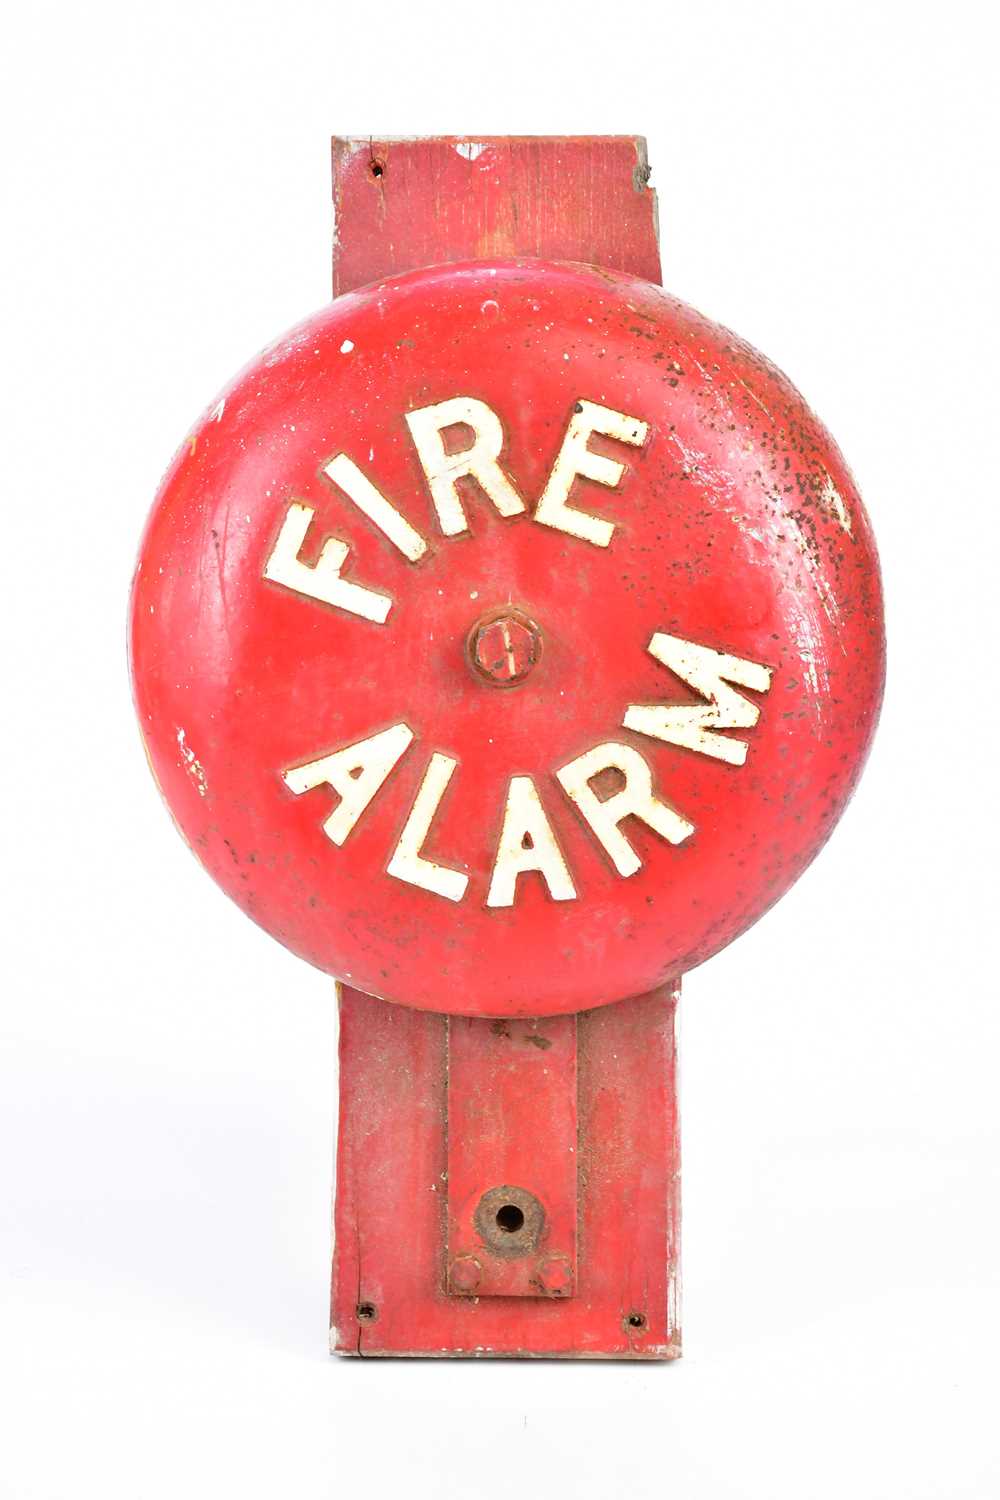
<point>510,1218</point>
<point>367,1312</point>
<point>636,1320</point>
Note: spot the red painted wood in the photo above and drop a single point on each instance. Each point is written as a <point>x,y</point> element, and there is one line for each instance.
<point>512,1129</point>
<point>630,1172</point>
<point>391,1194</point>
<point>736,528</point>
<point>389,1227</point>
<point>399,204</point>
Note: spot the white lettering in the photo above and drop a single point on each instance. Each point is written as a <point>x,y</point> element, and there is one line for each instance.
<point>575,459</point>
<point>693,725</point>
<point>527,842</point>
<point>407,863</point>
<point>371,502</point>
<point>634,799</point>
<point>323,581</point>
<point>356,773</point>
<point>479,460</point>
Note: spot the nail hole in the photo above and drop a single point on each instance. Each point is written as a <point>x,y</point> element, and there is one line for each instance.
<point>367,1312</point>
<point>510,1218</point>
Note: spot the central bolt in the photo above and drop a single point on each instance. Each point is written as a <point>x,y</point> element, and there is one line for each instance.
<point>504,646</point>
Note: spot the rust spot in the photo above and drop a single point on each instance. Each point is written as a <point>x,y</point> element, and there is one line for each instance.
<point>509,1221</point>
<point>504,646</point>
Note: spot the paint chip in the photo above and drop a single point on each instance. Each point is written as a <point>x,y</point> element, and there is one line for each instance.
<point>193,765</point>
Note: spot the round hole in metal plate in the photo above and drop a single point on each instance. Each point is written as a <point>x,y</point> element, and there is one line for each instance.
<point>510,1218</point>
<point>509,1221</point>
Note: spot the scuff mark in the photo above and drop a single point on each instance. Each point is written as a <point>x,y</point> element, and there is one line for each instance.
<point>813,657</point>
<point>753,396</point>
<point>194,767</point>
<point>831,497</point>
<point>823,590</point>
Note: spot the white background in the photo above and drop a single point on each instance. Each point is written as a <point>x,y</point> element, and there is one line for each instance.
<point>827,181</point>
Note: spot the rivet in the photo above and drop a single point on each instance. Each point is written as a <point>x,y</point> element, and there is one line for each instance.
<point>464,1274</point>
<point>555,1275</point>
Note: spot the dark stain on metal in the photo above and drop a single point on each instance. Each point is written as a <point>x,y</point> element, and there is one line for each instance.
<point>509,1221</point>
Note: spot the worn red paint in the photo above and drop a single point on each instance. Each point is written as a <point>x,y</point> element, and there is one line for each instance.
<point>512,1144</point>
<point>402,204</point>
<point>392,1215</point>
<point>737,529</point>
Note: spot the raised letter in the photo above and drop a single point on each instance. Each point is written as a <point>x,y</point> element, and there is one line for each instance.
<point>323,581</point>
<point>693,724</point>
<point>634,799</point>
<point>371,502</point>
<point>356,773</point>
<point>527,842</point>
<point>407,862</point>
<point>575,458</point>
<point>480,460</point>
